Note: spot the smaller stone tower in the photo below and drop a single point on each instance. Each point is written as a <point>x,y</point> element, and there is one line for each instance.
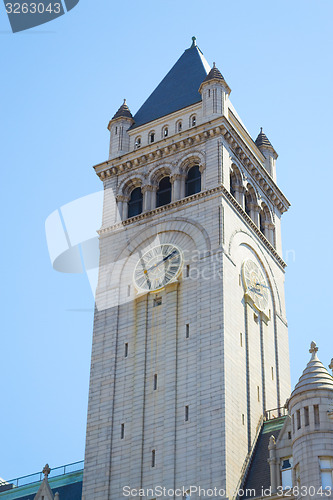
<point>310,408</point>
<point>118,127</point>
<point>214,91</point>
<point>269,153</point>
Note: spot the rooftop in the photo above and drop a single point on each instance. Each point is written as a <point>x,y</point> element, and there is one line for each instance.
<point>178,89</point>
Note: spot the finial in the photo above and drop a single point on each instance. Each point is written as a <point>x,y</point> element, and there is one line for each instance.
<point>46,471</point>
<point>124,101</point>
<point>194,42</point>
<point>272,442</point>
<point>331,365</point>
<point>214,65</point>
<point>261,130</point>
<point>313,350</point>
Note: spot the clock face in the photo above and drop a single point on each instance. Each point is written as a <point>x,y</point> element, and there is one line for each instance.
<point>158,267</point>
<point>255,284</point>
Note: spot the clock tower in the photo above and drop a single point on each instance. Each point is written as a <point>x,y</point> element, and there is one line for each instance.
<point>190,343</point>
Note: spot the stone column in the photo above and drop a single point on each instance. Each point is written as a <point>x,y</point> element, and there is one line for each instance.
<point>120,207</point>
<point>175,180</point>
<point>125,207</point>
<point>239,195</point>
<point>273,463</point>
<point>269,232</point>
<point>147,192</point>
<point>255,211</point>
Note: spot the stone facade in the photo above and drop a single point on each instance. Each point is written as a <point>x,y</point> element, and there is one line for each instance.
<point>178,389</point>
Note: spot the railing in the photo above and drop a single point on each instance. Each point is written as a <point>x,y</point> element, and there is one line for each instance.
<point>276,413</point>
<point>38,476</point>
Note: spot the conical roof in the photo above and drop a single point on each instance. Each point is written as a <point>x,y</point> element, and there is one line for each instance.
<point>214,74</point>
<point>178,89</point>
<point>123,112</point>
<point>262,140</point>
<point>315,376</point>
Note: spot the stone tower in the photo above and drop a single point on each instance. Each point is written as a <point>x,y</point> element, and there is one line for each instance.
<point>190,344</point>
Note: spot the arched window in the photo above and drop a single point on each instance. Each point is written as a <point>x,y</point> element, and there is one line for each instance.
<point>151,137</point>
<point>193,121</point>
<point>179,126</point>
<point>247,204</point>
<point>135,202</point>
<point>163,194</point>
<point>165,132</point>
<point>193,181</point>
<point>262,222</point>
<point>137,143</point>
<point>232,184</point>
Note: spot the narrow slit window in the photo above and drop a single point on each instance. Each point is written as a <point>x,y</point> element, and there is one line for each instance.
<point>293,420</point>
<point>153,458</point>
<point>298,419</point>
<point>306,416</point>
<point>187,331</point>
<point>155,382</point>
<point>128,290</point>
<point>241,339</point>
<point>126,350</point>
<point>243,419</point>
<point>152,137</point>
<point>187,271</point>
<point>272,369</point>
<point>122,431</point>
<point>258,392</point>
<point>186,413</point>
<point>316,414</point>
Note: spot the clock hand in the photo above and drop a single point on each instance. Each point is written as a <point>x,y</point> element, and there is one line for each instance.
<point>256,291</point>
<point>261,284</point>
<point>163,260</point>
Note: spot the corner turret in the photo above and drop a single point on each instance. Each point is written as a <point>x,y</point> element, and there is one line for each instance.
<point>118,127</point>
<point>269,153</point>
<point>214,91</point>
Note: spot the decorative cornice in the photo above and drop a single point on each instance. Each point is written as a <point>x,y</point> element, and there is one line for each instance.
<point>218,127</point>
<point>189,199</point>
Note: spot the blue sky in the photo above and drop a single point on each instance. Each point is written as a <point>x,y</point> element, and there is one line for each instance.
<point>61,83</point>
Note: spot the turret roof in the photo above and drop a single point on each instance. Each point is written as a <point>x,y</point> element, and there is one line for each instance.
<point>315,376</point>
<point>214,74</point>
<point>123,112</point>
<point>178,89</point>
<point>262,140</point>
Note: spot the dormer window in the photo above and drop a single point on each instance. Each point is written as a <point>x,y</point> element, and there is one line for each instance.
<point>165,132</point>
<point>137,143</point>
<point>193,121</point>
<point>151,137</point>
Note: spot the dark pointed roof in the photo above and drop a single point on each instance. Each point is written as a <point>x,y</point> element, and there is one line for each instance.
<point>123,112</point>
<point>178,89</point>
<point>262,141</point>
<point>214,74</point>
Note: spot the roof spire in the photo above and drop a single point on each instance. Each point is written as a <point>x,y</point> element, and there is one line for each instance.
<point>214,65</point>
<point>313,350</point>
<point>194,42</point>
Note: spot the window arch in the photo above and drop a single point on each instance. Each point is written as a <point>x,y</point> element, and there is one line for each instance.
<point>165,131</point>
<point>193,181</point>
<point>151,137</point>
<point>235,180</point>
<point>163,193</point>
<point>193,120</point>
<point>137,143</point>
<point>135,203</point>
<point>179,126</point>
